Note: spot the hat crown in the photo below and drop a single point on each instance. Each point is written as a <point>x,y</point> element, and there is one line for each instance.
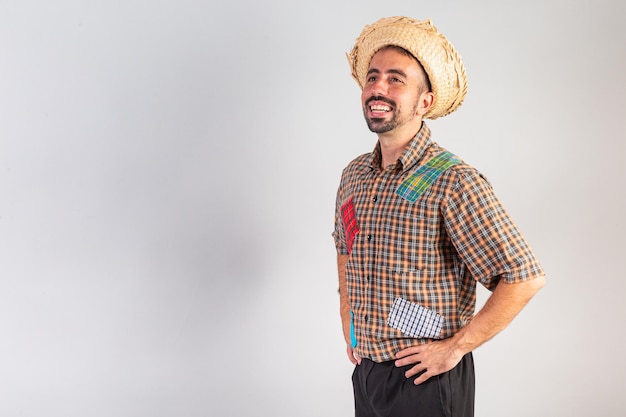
<point>435,53</point>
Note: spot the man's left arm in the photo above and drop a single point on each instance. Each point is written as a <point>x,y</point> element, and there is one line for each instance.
<point>434,358</point>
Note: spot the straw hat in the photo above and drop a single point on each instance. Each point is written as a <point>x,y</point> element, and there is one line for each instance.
<point>438,57</point>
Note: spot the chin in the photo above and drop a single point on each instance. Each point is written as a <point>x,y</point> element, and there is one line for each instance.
<point>377,126</point>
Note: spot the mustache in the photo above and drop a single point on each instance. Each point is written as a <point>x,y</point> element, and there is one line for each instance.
<point>379,98</point>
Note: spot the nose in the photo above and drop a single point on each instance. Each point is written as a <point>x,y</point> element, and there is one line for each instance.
<point>378,87</point>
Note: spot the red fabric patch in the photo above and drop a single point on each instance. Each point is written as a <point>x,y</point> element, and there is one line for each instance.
<point>349,223</point>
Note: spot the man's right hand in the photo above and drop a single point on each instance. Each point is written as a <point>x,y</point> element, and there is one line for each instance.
<point>352,356</point>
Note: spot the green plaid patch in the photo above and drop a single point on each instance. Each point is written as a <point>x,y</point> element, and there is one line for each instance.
<point>415,185</point>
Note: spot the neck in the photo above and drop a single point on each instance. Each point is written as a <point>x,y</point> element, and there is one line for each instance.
<point>393,143</point>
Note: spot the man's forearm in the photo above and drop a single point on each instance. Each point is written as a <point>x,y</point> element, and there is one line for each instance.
<point>344,304</point>
<point>500,309</point>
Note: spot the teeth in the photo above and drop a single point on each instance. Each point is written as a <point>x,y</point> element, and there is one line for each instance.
<point>380,107</point>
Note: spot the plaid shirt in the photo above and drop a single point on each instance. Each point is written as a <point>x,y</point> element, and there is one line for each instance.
<point>425,251</point>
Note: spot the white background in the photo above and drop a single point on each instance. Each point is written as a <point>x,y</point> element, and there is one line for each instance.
<point>167,180</point>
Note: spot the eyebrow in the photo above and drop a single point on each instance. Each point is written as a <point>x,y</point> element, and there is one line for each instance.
<point>390,71</point>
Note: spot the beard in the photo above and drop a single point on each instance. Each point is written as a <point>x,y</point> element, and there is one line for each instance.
<point>378,125</point>
<point>381,125</point>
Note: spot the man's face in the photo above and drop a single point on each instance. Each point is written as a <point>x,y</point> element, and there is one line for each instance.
<point>391,93</point>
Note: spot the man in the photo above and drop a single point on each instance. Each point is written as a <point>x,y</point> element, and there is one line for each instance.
<point>415,229</point>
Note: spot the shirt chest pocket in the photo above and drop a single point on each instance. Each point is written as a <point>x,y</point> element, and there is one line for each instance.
<point>411,239</point>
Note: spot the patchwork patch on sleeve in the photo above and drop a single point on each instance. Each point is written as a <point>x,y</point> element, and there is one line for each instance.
<point>350,226</point>
<point>418,182</point>
<point>414,320</point>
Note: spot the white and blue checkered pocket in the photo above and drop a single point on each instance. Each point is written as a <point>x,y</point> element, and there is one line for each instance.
<point>414,320</point>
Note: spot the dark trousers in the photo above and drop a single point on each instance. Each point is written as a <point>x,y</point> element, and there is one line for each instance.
<point>382,390</point>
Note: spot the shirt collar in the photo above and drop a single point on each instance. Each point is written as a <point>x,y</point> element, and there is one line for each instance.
<point>412,154</point>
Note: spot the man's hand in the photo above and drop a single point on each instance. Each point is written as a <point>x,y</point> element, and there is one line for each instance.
<point>352,356</point>
<point>432,359</point>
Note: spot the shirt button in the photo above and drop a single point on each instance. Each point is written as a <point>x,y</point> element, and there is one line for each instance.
<point>375,198</point>
<point>369,237</point>
<point>366,318</point>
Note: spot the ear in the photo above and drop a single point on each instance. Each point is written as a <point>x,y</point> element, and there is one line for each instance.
<point>425,102</point>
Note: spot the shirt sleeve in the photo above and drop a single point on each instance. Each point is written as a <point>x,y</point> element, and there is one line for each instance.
<point>338,233</point>
<point>484,235</point>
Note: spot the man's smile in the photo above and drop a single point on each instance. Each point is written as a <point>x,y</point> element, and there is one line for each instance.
<point>378,106</point>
